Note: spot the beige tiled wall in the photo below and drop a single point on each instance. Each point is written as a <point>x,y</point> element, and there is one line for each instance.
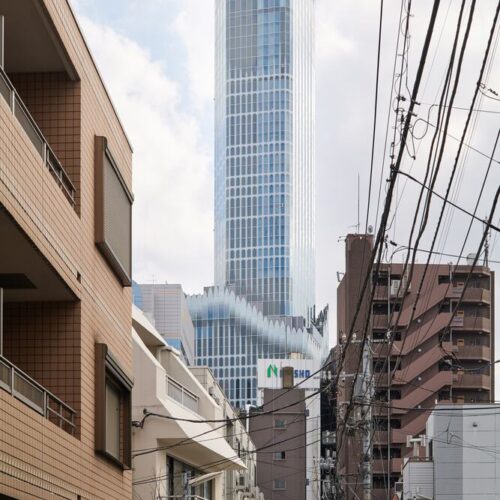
<point>43,340</point>
<point>53,100</point>
<point>37,459</point>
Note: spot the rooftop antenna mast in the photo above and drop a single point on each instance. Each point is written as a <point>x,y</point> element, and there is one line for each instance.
<point>487,243</point>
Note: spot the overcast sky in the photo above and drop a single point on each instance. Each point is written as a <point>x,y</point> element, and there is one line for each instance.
<point>156,57</point>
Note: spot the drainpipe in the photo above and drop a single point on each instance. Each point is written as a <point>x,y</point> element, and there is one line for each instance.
<point>2,40</point>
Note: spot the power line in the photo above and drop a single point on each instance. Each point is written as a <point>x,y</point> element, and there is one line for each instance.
<point>454,205</point>
<point>216,463</point>
<point>444,254</point>
<point>461,108</point>
<point>385,214</point>
<point>442,149</point>
<point>456,157</point>
<point>220,420</point>
<point>451,136</point>
<point>375,110</point>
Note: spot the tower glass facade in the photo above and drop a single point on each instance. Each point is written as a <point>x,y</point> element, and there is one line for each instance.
<point>231,335</point>
<point>263,303</point>
<point>264,153</point>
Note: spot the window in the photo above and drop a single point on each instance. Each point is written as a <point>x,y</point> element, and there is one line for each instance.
<point>113,412</point>
<point>444,307</point>
<point>279,424</point>
<point>279,484</point>
<point>279,455</point>
<point>113,213</point>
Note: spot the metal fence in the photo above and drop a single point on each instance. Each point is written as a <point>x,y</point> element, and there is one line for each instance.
<point>182,395</point>
<point>32,394</point>
<point>21,112</point>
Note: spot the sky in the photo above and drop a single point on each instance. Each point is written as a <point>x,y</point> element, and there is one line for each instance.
<point>156,58</point>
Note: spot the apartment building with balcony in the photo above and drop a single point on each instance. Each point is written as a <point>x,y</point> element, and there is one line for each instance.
<point>186,441</point>
<point>238,484</point>
<point>65,264</point>
<point>418,359</point>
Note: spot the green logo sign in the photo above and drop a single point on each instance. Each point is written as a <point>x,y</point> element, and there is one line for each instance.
<point>272,370</point>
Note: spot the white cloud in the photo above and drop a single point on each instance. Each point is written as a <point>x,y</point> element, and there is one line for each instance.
<point>195,26</point>
<point>172,163</point>
<point>172,137</point>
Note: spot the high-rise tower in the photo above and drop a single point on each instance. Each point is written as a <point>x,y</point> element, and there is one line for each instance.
<point>263,303</point>
<point>264,153</point>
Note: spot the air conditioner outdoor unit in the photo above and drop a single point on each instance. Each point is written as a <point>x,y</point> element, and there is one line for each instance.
<point>399,287</point>
<point>396,288</point>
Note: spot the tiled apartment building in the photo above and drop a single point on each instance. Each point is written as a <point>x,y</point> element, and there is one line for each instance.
<point>65,264</point>
<point>436,355</point>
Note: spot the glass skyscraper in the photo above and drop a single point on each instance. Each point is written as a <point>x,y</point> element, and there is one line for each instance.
<point>262,305</point>
<point>264,153</point>
<point>231,335</point>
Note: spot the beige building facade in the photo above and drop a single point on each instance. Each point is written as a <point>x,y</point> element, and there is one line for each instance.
<point>65,264</point>
<point>186,441</point>
<point>238,484</point>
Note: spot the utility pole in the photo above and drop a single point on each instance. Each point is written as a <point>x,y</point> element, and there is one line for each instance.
<point>366,395</point>
<point>389,344</point>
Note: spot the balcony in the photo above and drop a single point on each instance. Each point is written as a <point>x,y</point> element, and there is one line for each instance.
<point>472,352</point>
<point>471,323</point>
<point>182,395</point>
<point>381,437</point>
<point>472,381</point>
<point>40,341</point>
<point>380,465</point>
<point>470,295</point>
<point>23,116</point>
<point>31,393</point>
<point>41,90</point>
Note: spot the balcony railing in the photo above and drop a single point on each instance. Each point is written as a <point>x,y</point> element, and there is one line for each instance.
<point>472,381</point>
<point>471,294</point>
<point>182,395</point>
<point>460,320</point>
<point>32,394</point>
<point>20,111</point>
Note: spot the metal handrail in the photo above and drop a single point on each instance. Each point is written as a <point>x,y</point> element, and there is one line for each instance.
<point>47,397</point>
<point>48,156</point>
<point>184,392</point>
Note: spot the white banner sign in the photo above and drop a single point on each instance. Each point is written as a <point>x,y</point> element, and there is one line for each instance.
<point>269,373</point>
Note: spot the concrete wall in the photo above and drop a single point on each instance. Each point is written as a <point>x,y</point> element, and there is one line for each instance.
<point>465,446</point>
<point>264,434</point>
